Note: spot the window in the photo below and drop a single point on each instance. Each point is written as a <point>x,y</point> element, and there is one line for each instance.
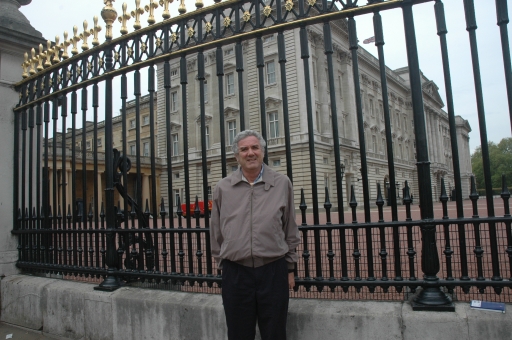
<point>88,145</point>
<point>205,82</point>
<point>383,146</point>
<point>314,73</point>
<point>273,125</point>
<point>176,175</point>
<point>374,143</point>
<point>406,156</point>
<point>268,38</point>
<point>174,101</point>
<point>132,124</point>
<point>372,113</point>
<point>176,196</point>
<point>231,131</point>
<point>146,149</point>
<point>276,162</point>
<point>317,117</point>
<point>145,120</point>
<point>398,121</point>
<point>229,51</point>
<point>133,150</point>
<point>340,80</point>
<point>210,193</point>
<point>207,137</point>
<point>230,84</point>
<point>271,72</point>
<point>98,141</point>
<point>174,72</point>
<point>381,110</point>
<point>175,144</point>
<point>326,160</point>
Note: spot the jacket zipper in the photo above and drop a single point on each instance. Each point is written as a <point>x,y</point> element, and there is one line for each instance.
<point>252,194</point>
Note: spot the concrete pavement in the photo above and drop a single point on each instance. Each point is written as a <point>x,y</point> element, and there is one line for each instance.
<point>8,331</point>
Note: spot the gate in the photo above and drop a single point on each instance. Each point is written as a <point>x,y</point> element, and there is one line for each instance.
<point>121,197</point>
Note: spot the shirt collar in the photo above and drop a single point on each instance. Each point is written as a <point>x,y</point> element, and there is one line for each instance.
<point>258,179</point>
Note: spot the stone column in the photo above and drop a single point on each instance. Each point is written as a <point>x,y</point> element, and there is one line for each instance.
<point>17,36</point>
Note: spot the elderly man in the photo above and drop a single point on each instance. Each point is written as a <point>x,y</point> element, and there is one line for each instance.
<point>253,238</point>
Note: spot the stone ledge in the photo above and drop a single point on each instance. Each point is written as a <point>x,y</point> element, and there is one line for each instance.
<point>76,311</point>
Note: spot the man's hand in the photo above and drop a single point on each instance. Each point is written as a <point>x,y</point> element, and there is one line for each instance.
<point>291,280</point>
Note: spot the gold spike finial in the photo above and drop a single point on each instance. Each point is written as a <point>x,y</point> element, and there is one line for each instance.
<point>65,45</point>
<point>25,66</point>
<point>56,50</point>
<point>151,10</point>
<point>136,14</point>
<point>123,19</point>
<point>74,40</point>
<point>48,54</point>
<point>40,58</point>
<point>85,35</point>
<point>95,31</point>
<point>182,9</point>
<point>199,4</point>
<point>33,62</point>
<point>165,4</point>
<point>109,15</point>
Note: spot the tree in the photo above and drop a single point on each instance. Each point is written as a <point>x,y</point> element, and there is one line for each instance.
<point>500,157</point>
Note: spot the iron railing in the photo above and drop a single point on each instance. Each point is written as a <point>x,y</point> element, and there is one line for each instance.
<point>141,240</point>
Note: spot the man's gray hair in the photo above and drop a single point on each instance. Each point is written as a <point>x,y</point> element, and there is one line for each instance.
<point>244,135</point>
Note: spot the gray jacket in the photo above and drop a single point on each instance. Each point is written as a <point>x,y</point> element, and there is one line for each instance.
<point>254,224</point>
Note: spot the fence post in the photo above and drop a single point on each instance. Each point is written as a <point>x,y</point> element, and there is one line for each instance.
<point>430,297</point>
<point>111,282</point>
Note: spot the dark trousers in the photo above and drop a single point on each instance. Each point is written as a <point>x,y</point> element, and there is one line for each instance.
<point>255,294</point>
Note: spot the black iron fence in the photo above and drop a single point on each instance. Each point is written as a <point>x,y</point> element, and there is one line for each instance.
<point>118,214</point>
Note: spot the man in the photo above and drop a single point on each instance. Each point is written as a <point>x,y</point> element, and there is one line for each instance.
<point>253,238</point>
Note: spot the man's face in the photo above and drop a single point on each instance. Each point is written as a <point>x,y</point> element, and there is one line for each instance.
<point>250,154</point>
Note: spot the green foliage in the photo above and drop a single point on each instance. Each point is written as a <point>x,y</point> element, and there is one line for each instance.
<point>500,157</point>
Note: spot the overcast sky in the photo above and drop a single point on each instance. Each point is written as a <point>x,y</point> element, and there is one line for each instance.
<point>62,15</point>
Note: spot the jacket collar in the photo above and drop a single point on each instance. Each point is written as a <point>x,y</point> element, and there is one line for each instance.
<point>268,177</point>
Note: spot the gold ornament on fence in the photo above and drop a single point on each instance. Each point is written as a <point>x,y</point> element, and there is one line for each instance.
<point>65,45</point>
<point>246,16</point>
<point>95,31</point>
<point>84,36</point>
<point>288,5</point>
<point>33,62</point>
<point>123,19</point>
<point>267,10</point>
<point>40,58</point>
<point>109,15</point>
<point>56,51</point>
<point>74,40</point>
<point>151,10</point>
<point>25,66</point>
<point>199,4</point>
<point>136,14</point>
<point>165,4</point>
<point>181,8</point>
<point>49,53</point>
<point>208,27</point>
